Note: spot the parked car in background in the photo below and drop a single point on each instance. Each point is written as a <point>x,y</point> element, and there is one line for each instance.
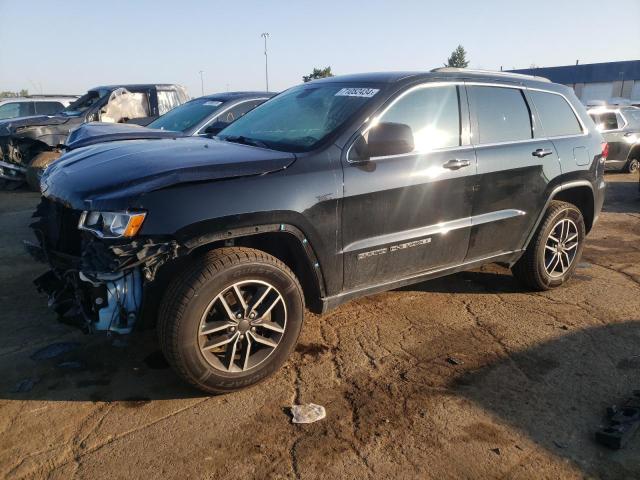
<point>33,105</point>
<point>202,116</point>
<point>206,115</point>
<point>35,140</point>
<point>329,191</point>
<point>620,127</point>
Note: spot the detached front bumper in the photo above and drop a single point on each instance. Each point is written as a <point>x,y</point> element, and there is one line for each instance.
<point>94,285</point>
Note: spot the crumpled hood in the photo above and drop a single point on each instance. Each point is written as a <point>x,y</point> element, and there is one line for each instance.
<point>110,175</point>
<point>99,132</point>
<point>8,127</point>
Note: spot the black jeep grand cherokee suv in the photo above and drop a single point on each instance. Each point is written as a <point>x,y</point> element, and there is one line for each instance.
<point>332,190</point>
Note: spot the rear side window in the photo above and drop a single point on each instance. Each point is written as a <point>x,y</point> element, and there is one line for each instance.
<point>167,100</point>
<point>433,113</point>
<point>557,117</point>
<point>502,113</point>
<point>48,108</point>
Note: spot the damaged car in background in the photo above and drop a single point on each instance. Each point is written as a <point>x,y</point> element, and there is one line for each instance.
<point>206,115</point>
<point>330,191</point>
<point>35,141</point>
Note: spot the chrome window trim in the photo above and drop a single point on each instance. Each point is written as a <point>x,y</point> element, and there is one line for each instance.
<point>585,130</point>
<point>208,122</point>
<point>438,228</point>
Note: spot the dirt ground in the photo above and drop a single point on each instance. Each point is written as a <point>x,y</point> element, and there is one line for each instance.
<point>468,376</point>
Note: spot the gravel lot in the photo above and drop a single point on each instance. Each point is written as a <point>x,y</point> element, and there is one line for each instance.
<point>466,376</point>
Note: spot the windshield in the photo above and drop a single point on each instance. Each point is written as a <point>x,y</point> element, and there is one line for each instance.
<point>300,118</point>
<point>186,116</point>
<point>85,102</point>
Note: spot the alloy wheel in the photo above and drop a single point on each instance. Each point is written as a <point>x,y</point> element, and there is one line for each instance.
<point>242,326</point>
<point>561,247</point>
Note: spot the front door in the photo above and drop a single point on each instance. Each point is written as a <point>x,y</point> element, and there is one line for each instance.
<point>407,214</point>
<point>513,170</point>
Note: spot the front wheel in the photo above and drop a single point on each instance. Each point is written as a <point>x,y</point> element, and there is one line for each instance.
<point>231,319</point>
<point>554,252</point>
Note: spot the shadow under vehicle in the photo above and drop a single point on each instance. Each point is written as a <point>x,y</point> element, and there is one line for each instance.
<point>36,140</point>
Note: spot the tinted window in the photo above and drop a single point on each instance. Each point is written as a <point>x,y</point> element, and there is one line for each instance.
<point>503,115</point>
<point>48,108</point>
<point>16,109</point>
<point>433,115</point>
<point>556,115</point>
<point>236,112</point>
<point>608,121</point>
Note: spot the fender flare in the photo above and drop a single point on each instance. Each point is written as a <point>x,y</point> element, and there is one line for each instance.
<point>552,195</point>
<point>241,232</point>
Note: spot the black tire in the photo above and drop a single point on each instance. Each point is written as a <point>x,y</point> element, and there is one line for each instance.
<point>632,166</point>
<point>37,166</point>
<point>190,296</point>
<point>530,269</point>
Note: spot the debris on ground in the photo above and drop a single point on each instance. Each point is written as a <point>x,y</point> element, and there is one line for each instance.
<point>496,451</point>
<point>54,350</point>
<point>308,413</point>
<point>455,361</point>
<point>624,421</point>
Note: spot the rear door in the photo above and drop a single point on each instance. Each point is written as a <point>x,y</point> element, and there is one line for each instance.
<point>407,214</point>
<point>514,166</point>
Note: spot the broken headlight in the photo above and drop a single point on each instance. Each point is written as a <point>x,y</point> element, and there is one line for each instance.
<point>111,224</point>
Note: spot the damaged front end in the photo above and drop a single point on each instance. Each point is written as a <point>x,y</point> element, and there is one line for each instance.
<point>97,284</point>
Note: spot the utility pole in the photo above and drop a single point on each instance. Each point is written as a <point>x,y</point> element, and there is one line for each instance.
<point>265,35</point>
<point>201,82</point>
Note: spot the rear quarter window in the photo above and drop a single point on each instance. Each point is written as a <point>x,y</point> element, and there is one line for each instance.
<point>556,115</point>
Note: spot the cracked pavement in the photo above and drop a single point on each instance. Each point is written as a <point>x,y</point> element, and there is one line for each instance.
<point>467,376</point>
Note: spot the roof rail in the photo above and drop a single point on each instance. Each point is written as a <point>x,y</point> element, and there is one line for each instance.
<point>489,72</point>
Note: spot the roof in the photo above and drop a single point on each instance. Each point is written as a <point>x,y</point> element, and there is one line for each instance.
<point>40,98</point>
<point>135,86</point>
<point>436,74</point>
<point>226,96</point>
<point>588,73</point>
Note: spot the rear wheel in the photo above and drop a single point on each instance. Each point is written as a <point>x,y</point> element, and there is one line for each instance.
<point>554,252</point>
<point>231,319</point>
<point>633,165</point>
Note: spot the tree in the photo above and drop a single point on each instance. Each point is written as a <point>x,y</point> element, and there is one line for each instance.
<point>458,58</point>
<point>24,92</point>
<point>318,73</point>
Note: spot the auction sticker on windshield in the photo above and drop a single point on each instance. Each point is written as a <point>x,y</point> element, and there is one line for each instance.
<point>357,92</point>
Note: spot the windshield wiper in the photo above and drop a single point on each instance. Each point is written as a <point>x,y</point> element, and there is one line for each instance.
<point>245,141</point>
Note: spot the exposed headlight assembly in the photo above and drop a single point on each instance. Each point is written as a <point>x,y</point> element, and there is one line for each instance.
<point>111,224</point>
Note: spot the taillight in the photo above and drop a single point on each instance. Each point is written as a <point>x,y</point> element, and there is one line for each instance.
<point>605,150</point>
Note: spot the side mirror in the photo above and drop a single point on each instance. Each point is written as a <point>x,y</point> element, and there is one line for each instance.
<point>382,140</point>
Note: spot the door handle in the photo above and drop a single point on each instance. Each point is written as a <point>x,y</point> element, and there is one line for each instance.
<point>456,164</point>
<point>541,152</point>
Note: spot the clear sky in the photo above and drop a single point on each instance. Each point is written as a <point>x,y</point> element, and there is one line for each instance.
<point>70,46</point>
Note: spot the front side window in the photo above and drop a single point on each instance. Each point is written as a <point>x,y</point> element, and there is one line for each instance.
<point>186,115</point>
<point>502,113</point>
<point>124,105</point>
<point>299,119</point>
<point>557,117</point>
<point>85,102</point>
<point>432,113</point>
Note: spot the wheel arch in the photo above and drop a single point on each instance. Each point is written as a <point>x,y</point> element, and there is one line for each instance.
<point>577,192</point>
<point>284,241</point>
